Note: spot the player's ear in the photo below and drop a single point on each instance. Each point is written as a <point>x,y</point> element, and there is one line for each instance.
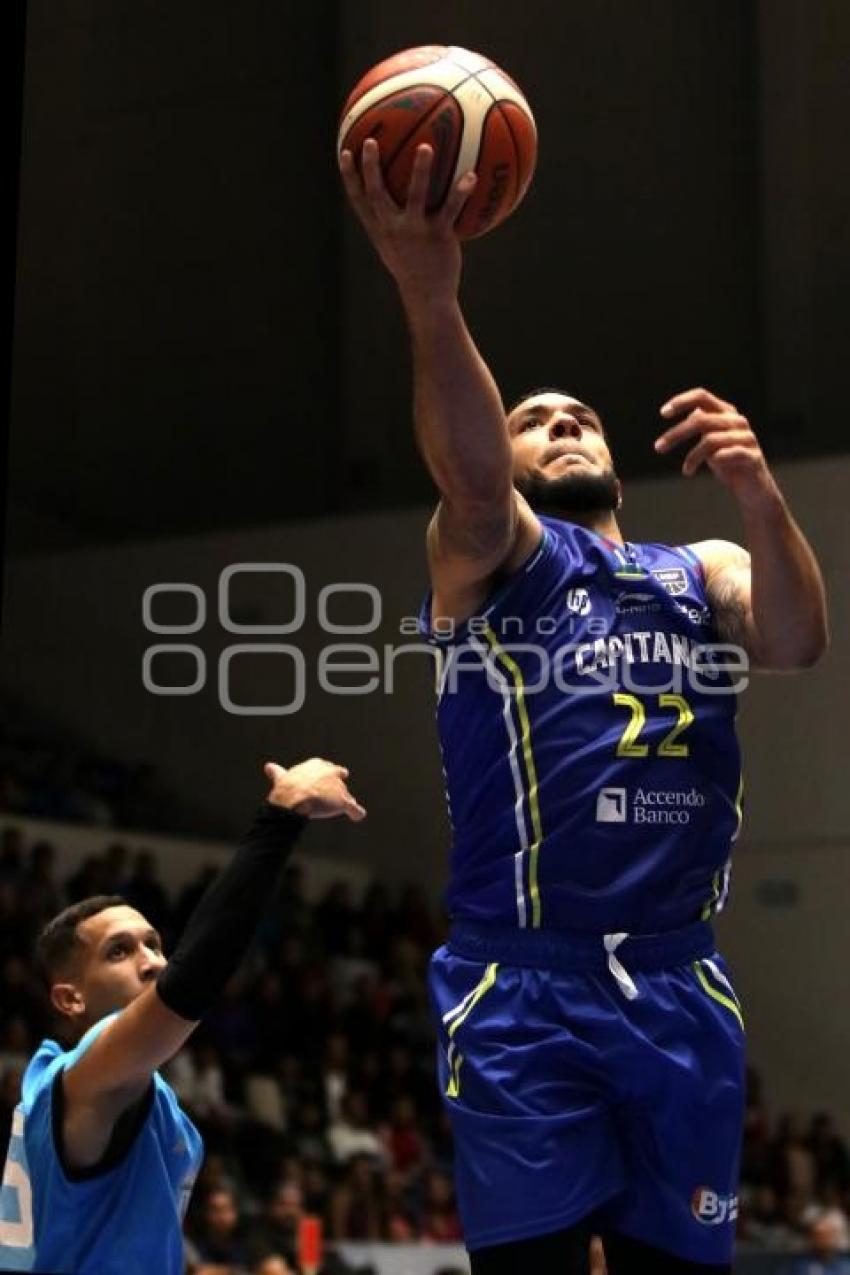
<point>67,1000</point>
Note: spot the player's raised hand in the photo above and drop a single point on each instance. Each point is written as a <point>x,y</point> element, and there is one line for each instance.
<point>721,438</point>
<point>421,250</point>
<point>315,788</point>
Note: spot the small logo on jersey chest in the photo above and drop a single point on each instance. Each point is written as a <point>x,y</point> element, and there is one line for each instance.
<point>673,579</point>
<point>713,1209</point>
<point>636,603</point>
<point>578,601</point>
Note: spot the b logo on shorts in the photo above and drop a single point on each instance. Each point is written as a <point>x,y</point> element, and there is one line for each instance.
<point>713,1209</point>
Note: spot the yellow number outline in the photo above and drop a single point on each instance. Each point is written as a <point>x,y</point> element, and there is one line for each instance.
<point>669,745</point>
<point>628,746</point>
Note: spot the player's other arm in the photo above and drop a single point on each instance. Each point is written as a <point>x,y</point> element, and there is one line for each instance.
<point>458,412</point>
<point>770,597</point>
<point>116,1070</point>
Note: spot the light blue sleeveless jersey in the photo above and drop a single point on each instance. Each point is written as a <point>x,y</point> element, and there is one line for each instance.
<point>587,734</point>
<point>125,1221</point>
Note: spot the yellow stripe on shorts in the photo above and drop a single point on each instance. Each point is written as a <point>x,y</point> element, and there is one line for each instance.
<point>454,1057</point>
<point>721,997</point>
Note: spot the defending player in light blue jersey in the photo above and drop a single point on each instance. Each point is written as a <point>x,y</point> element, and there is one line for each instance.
<point>590,1041</point>
<point>102,1159</point>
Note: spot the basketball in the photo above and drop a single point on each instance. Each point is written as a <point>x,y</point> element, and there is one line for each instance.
<point>465,107</point>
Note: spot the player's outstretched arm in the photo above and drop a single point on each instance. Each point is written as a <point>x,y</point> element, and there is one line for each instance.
<point>116,1070</point>
<point>458,412</point>
<point>769,598</point>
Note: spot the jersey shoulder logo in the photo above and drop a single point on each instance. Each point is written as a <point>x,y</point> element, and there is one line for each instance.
<point>673,579</point>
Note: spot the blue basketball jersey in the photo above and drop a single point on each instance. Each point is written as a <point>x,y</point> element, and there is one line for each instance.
<point>123,1221</point>
<point>586,724</point>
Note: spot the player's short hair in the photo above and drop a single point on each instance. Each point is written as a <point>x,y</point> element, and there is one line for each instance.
<point>59,943</point>
<point>550,389</point>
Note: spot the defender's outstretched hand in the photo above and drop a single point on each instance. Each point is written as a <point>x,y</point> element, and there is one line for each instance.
<point>315,788</point>
<point>724,441</point>
<point>420,249</point>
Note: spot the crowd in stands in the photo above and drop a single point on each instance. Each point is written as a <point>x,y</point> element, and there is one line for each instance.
<point>48,773</point>
<point>313,1080</point>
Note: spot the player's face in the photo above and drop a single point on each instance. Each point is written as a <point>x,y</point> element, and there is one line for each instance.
<point>122,955</point>
<point>560,453</point>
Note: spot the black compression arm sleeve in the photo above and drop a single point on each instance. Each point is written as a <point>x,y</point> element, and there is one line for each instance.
<point>222,927</point>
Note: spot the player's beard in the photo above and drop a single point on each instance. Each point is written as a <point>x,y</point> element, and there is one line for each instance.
<point>572,493</point>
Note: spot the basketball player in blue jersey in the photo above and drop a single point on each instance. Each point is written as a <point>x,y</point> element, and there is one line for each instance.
<point>102,1158</point>
<point>591,1044</point>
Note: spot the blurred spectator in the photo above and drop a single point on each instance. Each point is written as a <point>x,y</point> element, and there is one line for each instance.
<point>39,891</point>
<point>376,920</point>
<point>114,867</point>
<point>354,968</point>
<point>270,1005</point>
<point>403,1139</point>
<point>16,927</point>
<point>273,1264</point>
<point>144,891</point>
<point>276,1231</point>
<point>220,1171</point>
<point>824,1255</point>
<point>399,1224</point>
<point>11,856</point>
<point>335,1073</point>
<point>89,879</point>
<point>355,1206</point>
<point>10,1096</point>
<point>792,1162</point>
<point>440,1218</point>
<point>21,992</point>
<point>413,919</point>
<point>206,1098</point>
<point>400,1077</point>
<point>829,1208</point>
<point>216,1233</point>
<point>16,1043</point>
<point>232,1027</point>
<point>334,919</point>
<point>352,1135</point>
<point>316,1188</point>
<point>307,1130</point>
<point>191,895</point>
<point>832,1160</point>
<point>761,1225</point>
<point>290,915</point>
<point>755,1152</point>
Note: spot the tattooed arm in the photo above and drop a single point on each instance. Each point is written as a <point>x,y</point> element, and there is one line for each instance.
<point>770,601</point>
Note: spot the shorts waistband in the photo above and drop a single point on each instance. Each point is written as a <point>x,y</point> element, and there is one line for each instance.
<point>571,953</point>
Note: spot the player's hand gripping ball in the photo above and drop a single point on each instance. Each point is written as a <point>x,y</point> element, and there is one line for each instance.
<point>466,108</point>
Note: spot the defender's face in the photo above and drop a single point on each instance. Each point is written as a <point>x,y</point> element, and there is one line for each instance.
<point>553,436</point>
<point>122,954</point>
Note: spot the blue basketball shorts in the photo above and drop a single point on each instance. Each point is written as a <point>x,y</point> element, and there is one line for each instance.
<point>591,1081</point>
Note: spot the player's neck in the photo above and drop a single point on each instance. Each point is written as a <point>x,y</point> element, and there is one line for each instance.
<point>602,522</point>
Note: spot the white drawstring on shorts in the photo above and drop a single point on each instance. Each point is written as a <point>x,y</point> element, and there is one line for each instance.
<point>625,982</point>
